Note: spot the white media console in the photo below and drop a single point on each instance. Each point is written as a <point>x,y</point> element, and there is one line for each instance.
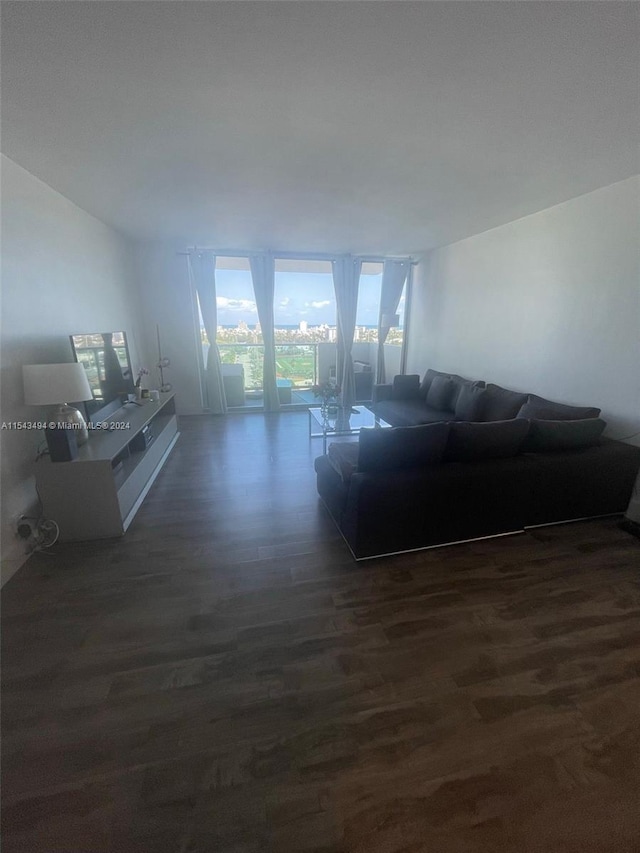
<point>97,495</point>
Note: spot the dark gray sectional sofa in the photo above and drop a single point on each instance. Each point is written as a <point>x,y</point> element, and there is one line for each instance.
<point>447,397</point>
<point>522,461</point>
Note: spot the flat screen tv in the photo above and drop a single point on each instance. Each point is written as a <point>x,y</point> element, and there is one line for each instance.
<point>105,357</point>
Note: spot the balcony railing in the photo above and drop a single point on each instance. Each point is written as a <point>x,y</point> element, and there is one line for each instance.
<point>298,367</point>
<point>295,363</point>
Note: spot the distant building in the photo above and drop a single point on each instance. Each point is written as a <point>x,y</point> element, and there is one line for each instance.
<point>303,326</point>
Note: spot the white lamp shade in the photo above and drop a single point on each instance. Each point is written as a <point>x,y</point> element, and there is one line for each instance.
<point>47,384</point>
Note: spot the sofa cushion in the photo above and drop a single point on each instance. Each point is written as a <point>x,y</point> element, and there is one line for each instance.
<point>409,413</point>
<point>547,435</point>
<point>427,379</point>
<point>469,403</point>
<point>402,447</point>
<point>540,409</point>
<point>441,394</point>
<point>470,442</point>
<point>405,387</point>
<point>430,375</point>
<point>500,404</point>
<point>343,458</point>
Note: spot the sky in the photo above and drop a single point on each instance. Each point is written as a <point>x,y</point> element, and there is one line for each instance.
<point>298,297</point>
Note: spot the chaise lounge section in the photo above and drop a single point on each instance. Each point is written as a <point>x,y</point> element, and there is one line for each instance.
<point>466,460</point>
<point>408,488</point>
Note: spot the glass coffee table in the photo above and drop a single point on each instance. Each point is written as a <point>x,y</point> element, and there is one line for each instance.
<point>345,422</point>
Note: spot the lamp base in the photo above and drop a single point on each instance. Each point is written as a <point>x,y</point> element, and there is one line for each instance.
<point>69,415</point>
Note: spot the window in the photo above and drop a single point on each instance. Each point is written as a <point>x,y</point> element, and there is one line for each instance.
<point>304,324</point>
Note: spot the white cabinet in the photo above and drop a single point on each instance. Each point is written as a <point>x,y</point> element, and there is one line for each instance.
<point>97,495</point>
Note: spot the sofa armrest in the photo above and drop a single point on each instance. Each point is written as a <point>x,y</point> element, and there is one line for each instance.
<point>382,392</point>
<point>406,387</point>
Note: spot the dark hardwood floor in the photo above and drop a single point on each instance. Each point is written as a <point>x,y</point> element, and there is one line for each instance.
<point>226,678</point>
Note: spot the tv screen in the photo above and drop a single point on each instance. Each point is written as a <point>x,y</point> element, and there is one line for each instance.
<point>105,357</point>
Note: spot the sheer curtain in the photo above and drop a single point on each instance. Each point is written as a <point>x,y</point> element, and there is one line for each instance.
<point>394,276</point>
<point>346,278</point>
<point>263,275</point>
<point>203,271</point>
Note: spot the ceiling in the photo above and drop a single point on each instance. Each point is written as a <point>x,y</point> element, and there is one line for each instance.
<point>372,127</point>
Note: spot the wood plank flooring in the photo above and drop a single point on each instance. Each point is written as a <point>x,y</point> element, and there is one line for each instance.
<point>226,678</point>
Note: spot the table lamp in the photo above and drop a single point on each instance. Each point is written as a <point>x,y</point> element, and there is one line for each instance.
<point>51,384</point>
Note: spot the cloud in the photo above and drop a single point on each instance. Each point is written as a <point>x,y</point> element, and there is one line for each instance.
<point>322,304</point>
<point>284,302</point>
<point>236,304</point>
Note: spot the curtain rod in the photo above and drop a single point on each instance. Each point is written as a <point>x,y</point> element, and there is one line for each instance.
<point>301,256</point>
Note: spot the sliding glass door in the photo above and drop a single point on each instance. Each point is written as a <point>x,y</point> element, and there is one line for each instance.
<point>305,327</point>
<point>305,330</point>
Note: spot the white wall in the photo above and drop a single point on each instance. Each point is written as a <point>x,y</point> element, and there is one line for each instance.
<point>63,271</point>
<point>548,304</point>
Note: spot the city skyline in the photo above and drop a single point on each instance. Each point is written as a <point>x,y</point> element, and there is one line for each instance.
<point>303,334</point>
<point>298,297</point>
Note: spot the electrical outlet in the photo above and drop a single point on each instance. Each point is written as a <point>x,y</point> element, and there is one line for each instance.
<point>25,527</point>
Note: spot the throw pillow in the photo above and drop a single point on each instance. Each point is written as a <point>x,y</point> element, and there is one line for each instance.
<point>427,379</point>
<point>441,393</point>
<point>469,403</point>
<point>470,442</point>
<point>563,435</point>
<point>405,387</point>
<point>402,447</point>
<point>546,410</point>
<point>531,412</point>
<point>500,404</point>
<point>430,375</point>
